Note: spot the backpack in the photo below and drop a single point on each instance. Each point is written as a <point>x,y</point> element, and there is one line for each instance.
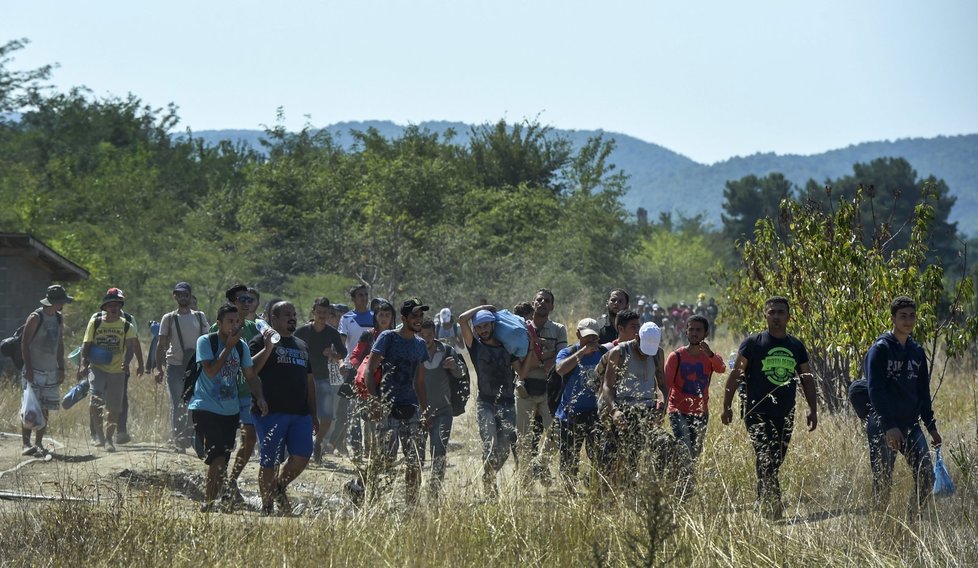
<point>11,346</point>
<point>127,318</point>
<point>194,367</point>
<point>460,387</point>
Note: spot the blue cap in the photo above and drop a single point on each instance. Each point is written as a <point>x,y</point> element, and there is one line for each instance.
<point>483,316</point>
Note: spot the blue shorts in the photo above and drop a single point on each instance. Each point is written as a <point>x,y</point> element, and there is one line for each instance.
<point>278,432</point>
<point>245,407</point>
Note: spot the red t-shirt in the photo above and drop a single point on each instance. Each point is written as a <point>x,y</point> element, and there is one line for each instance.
<point>688,378</point>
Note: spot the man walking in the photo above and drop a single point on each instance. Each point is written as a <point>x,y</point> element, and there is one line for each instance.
<point>107,338</point>
<point>290,393</point>
<point>43,350</point>
<point>496,370</point>
<point>769,363</point>
<point>177,345</point>
<point>899,390</point>
<point>617,301</point>
<point>325,347</point>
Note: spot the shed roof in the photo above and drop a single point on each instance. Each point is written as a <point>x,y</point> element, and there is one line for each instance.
<point>62,269</point>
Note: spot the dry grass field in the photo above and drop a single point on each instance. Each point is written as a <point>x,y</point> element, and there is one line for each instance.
<point>139,506</point>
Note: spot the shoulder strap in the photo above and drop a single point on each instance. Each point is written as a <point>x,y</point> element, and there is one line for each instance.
<point>212,337</point>
<point>173,317</point>
<point>98,320</point>
<point>201,322</point>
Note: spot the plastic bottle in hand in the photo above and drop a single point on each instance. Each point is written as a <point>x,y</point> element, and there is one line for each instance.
<point>262,325</point>
<point>732,360</point>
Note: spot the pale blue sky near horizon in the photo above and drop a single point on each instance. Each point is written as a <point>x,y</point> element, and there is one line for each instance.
<point>708,79</point>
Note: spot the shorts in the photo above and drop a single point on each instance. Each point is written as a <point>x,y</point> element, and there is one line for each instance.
<point>278,432</point>
<point>217,431</point>
<point>244,411</point>
<point>108,390</point>
<point>326,395</point>
<point>46,388</point>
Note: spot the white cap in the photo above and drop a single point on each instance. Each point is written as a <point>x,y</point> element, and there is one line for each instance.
<point>445,314</point>
<point>648,338</point>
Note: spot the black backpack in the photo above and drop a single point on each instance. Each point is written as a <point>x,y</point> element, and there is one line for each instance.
<point>127,321</point>
<point>460,387</point>
<point>11,346</point>
<point>194,367</point>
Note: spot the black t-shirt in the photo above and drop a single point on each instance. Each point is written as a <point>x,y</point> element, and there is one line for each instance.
<point>494,369</point>
<point>773,365</point>
<point>318,341</point>
<point>284,376</point>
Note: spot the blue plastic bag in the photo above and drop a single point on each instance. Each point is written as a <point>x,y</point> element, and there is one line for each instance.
<point>943,486</point>
<point>510,330</point>
<point>76,394</point>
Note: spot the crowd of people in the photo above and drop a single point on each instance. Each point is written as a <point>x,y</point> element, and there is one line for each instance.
<point>375,380</point>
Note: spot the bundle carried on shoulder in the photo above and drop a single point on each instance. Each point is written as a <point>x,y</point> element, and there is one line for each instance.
<point>510,330</point>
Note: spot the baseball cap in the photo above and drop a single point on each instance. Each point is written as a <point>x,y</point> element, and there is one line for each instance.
<point>413,305</point>
<point>648,338</point>
<point>588,326</point>
<point>445,314</point>
<point>113,295</point>
<point>483,316</point>
<point>182,287</point>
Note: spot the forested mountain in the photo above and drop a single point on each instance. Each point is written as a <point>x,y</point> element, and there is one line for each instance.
<point>663,180</point>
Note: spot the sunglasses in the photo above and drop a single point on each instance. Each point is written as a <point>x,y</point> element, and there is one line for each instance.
<point>245,299</point>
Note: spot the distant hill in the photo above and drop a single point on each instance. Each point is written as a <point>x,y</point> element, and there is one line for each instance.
<point>663,180</point>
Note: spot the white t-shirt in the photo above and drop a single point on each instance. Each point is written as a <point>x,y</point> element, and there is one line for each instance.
<point>192,325</point>
<point>352,325</point>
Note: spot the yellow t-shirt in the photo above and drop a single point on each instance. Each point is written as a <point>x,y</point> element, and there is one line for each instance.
<point>108,343</point>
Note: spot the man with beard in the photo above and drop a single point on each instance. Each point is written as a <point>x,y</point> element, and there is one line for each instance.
<point>177,344</point>
<point>325,348</point>
<point>290,393</point>
<point>399,402</point>
<point>496,370</point>
<point>617,301</point>
<point>531,393</point>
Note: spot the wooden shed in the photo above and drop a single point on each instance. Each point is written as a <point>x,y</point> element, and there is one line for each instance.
<point>27,268</point>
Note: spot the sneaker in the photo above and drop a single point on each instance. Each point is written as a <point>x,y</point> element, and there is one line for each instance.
<point>267,510</point>
<point>208,507</point>
<point>100,443</point>
<point>29,450</point>
<point>232,493</point>
<point>354,491</point>
<point>282,500</point>
<point>109,446</point>
<point>123,438</point>
<point>180,450</point>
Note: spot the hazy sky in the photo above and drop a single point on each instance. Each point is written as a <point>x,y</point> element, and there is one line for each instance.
<point>708,79</point>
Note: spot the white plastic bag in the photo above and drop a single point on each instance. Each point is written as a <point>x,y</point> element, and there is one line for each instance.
<point>31,413</point>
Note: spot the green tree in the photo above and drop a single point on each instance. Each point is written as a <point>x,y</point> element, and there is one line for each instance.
<point>751,199</point>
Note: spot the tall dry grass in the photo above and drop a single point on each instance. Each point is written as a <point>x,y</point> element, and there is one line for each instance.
<point>826,481</point>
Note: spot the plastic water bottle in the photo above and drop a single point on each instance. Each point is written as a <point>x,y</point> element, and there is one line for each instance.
<point>262,325</point>
<point>732,361</point>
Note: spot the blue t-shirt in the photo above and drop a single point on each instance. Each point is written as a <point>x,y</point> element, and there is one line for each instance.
<point>218,394</point>
<point>401,359</point>
<point>578,397</point>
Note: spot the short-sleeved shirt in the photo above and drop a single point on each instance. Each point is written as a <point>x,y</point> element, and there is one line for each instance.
<point>191,325</point>
<point>578,397</point>
<point>318,341</point>
<point>353,324</point>
<point>284,378</point>
<point>494,370</point>
<point>218,394</point>
<point>401,359</point>
<point>437,380</point>
<point>109,343</point>
<point>773,365</point>
<point>688,378</point>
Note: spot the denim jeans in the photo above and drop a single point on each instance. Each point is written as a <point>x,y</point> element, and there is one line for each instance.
<point>497,422</point>
<point>181,427</point>
<point>882,460</point>
<point>690,430</point>
<point>439,432</point>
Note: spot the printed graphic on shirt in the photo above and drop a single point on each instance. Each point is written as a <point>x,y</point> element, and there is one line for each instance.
<point>779,366</point>
<point>290,356</point>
